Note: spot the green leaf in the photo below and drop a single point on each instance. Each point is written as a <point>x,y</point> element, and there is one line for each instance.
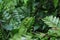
<point>54,32</point>
<point>25,24</point>
<point>51,21</point>
<point>55,3</point>
<point>25,1</point>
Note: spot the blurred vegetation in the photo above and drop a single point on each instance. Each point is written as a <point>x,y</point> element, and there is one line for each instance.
<point>29,19</point>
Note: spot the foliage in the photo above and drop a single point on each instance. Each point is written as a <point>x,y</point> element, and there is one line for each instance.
<point>52,21</point>
<point>29,19</point>
<point>25,24</point>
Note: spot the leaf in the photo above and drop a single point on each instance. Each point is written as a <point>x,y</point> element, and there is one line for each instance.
<point>25,1</point>
<point>51,21</point>
<point>54,32</point>
<point>55,3</point>
<point>25,24</point>
<point>36,27</point>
